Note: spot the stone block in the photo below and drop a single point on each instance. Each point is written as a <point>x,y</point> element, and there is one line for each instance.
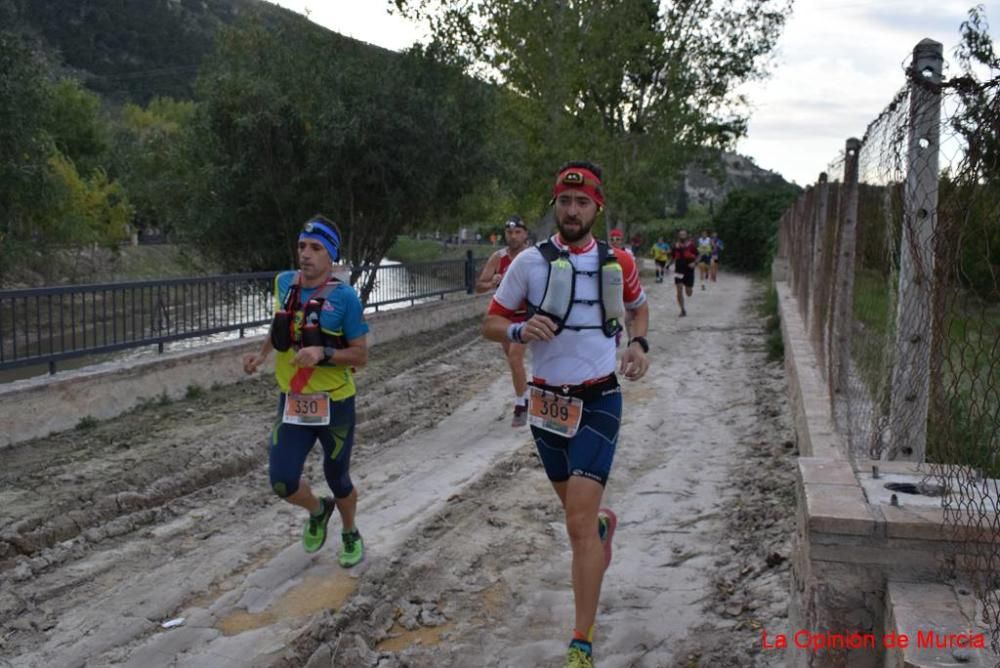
<point>826,471</point>
<point>838,509</point>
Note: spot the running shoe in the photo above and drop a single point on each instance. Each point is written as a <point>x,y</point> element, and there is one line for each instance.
<point>606,523</point>
<point>353,550</point>
<point>314,534</point>
<point>578,658</point>
<point>520,415</point>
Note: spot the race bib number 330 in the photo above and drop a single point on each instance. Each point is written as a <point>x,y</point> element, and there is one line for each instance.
<point>554,412</point>
<point>307,409</point>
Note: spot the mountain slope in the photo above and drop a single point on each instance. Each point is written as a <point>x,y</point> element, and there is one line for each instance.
<point>128,50</point>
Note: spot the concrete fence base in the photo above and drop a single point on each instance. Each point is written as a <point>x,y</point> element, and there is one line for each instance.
<point>854,549</point>
<point>40,406</point>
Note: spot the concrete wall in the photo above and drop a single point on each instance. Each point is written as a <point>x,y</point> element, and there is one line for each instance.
<point>40,406</point>
<point>851,542</point>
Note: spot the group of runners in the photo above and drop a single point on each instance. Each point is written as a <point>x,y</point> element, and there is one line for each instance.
<point>568,299</point>
<point>685,255</point>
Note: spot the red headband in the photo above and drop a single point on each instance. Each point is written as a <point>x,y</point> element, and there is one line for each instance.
<point>578,178</point>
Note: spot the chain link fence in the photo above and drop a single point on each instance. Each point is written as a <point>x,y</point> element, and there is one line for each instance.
<point>894,259</point>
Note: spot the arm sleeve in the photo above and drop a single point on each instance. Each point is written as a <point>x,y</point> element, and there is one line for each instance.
<point>343,314</point>
<point>633,294</point>
<point>354,315</point>
<point>282,283</point>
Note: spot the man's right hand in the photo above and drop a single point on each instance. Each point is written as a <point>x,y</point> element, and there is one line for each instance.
<point>252,362</point>
<point>538,328</point>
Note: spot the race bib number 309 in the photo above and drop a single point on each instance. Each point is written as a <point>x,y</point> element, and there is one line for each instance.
<point>554,412</point>
<point>307,409</point>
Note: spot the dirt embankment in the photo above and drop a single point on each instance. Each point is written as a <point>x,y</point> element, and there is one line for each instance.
<point>107,532</point>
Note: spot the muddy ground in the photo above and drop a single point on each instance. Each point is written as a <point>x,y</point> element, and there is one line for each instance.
<point>112,529</point>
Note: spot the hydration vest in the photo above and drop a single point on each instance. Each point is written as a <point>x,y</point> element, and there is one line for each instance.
<point>283,334</point>
<point>560,289</point>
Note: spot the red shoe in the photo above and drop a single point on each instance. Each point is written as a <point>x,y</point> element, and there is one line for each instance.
<point>520,415</point>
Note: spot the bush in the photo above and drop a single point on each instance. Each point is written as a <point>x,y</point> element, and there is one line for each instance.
<point>747,223</point>
<point>86,423</point>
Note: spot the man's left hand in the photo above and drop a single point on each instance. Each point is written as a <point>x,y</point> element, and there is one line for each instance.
<point>307,357</point>
<point>634,363</point>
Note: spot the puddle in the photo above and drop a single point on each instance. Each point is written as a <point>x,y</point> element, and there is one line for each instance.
<point>399,638</point>
<point>314,594</point>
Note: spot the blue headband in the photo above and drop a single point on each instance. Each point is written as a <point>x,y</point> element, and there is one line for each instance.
<point>316,230</point>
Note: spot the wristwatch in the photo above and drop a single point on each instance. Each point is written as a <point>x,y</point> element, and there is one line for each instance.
<point>641,340</point>
<point>327,355</point>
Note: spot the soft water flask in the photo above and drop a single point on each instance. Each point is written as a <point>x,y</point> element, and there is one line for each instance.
<point>613,291</point>
<point>560,289</point>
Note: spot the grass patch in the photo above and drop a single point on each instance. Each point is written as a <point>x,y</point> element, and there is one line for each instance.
<point>772,325</point>
<point>963,426</point>
<point>408,249</point>
<point>194,392</point>
<point>86,423</point>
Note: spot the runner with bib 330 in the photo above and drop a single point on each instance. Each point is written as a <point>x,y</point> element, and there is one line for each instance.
<point>578,291</point>
<point>320,334</point>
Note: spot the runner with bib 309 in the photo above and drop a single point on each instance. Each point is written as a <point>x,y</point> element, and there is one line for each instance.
<point>578,291</point>
<point>320,334</point>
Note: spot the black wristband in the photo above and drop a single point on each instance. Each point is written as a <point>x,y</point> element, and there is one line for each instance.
<point>641,340</point>
<point>327,355</point>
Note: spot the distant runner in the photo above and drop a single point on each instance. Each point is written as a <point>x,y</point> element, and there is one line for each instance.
<point>516,236</point>
<point>579,290</point>
<point>320,334</point>
<point>684,254</point>
<point>717,248</point>
<point>618,241</point>
<point>704,256</point>
<point>661,257</point>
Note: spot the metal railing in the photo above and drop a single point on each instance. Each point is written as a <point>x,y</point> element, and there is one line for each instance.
<point>43,326</point>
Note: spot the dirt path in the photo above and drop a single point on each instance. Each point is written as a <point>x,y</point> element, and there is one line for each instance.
<point>106,533</point>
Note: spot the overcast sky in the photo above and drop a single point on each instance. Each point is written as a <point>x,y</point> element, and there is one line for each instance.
<point>838,63</point>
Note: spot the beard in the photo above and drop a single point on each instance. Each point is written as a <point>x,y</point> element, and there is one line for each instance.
<point>577,232</point>
<point>515,244</point>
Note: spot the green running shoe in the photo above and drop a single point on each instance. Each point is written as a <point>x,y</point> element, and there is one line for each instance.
<point>577,658</point>
<point>314,534</point>
<point>353,550</point>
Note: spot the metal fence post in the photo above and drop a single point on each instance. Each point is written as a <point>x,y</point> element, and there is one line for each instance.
<point>843,297</point>
<point>470,273</point>
<point>911,369</point>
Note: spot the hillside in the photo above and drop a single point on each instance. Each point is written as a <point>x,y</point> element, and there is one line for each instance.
<point>710,184</point>
<point>137,50</point>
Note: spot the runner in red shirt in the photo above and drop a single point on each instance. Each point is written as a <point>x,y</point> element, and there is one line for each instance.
<point>516,236</point>
<point>684,254</point>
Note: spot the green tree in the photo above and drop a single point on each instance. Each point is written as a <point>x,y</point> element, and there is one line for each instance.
<point>291,123</point>
<point>84,210</point>
<point>77,125</point>
<point>24,145</point>
<point>637,85</point>
<point>152,161</point>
